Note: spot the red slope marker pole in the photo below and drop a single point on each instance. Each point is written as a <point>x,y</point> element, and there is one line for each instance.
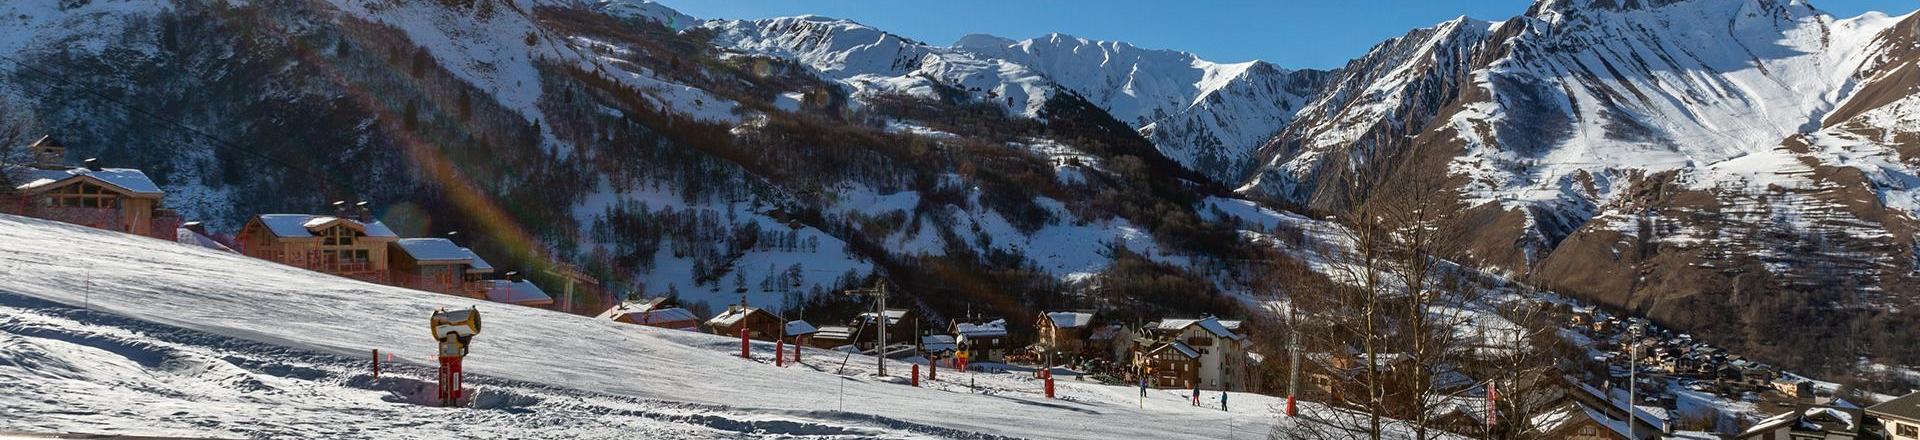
<point>916,375</point>
<point>780,352</point>
<point>744,351</point>
<point>376,363</point>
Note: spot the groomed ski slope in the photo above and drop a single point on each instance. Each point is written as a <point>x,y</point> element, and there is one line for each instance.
<point>107,332</point>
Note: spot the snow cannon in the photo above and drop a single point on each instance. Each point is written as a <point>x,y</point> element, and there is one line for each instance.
<point>454,329</point>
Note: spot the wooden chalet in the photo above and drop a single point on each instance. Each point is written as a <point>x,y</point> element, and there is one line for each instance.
<point>653,313</point>
<point>349,247</point>
<point>436,265</point>
<point>1063,333</point>
<point>760,324</point>
<point>114,199</point>
<point>982,341</point>
<point>1171,364</point>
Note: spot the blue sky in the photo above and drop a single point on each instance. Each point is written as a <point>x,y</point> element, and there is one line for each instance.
<point>1291,33</point>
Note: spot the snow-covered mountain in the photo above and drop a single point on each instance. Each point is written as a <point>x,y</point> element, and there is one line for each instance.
<point>874,62</point>
<point>1208,116</point>
<point>1664,152</point>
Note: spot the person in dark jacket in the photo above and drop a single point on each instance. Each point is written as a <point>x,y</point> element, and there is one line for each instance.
<point>1196,394</point>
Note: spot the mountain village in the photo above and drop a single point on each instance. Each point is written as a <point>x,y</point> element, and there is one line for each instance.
<point>1598,219</point>
<point>1672,385</point>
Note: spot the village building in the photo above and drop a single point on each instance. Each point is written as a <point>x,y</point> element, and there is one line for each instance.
<point>1062,334</point>
<point>652,313</point>
<point>522,293</point>
<point>760,324</point>
<point>477,268</point>
<point>1222,351</point>
<point>833,336</point>
<point>1170,364</point>
<point>1812,423</point>
<point>1795,387</point>
<point>938,346</point>
<point>434,265</point>
<point>114,199</point>
<point>902,328</point>
<point>349,247</point>
<point>1578,421</point>
<point>982,341</point>
<point>1900,417</point>
<point>800,332</point>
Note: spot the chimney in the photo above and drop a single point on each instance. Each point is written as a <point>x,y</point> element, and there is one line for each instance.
<point>92,164</point>
<point>366,212</point>
<point>48,153</point>
<point>340,208</point>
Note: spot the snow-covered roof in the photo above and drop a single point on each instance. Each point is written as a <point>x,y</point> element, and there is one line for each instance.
<point>131,181</point>
<point>304,225</point>
<point>189,237</point>
<point>1224,329</point>
<point>1070,319</point>
<point>893,316</point>
<point>834,332</point>
<point>732,316</point>
<point>936,343</point>
<point>433,250</point>
<point>798,327</point>
<point>665,316</point>
<point>1183,348</point>
<point>521,292</point>
<point>649,313</point>
<point>995,329</point>
<point>477,264</point>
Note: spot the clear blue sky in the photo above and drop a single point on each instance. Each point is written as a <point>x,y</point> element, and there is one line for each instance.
<point>1291,33</point>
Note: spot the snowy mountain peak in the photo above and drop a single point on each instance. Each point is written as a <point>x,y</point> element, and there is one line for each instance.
<point>1207,115</point>
<point>983,41</point>
<point>645,10</point>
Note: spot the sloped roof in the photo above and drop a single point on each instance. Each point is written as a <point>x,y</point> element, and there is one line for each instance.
<point>477,264</point>
<point>1181,347</point>
<point>935,343</point>
<point>1224,329</point>
<point>303,225</point>
<point>521,292</point>
<point>1904,407</point>
<point>798,327</point>
<point>131,181</point>
<point>433,250</point>
<point>732,316</point>
<point>995,329</point>
<point>1070,319</point>
<point>658,317</point>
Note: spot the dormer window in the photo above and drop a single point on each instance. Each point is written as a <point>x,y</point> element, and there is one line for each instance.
<point>338,236</point>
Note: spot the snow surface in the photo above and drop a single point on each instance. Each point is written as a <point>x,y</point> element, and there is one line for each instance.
<point>180,340</point>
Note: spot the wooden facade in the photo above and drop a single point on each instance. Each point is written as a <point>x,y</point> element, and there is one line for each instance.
<point>760,324</point>
<point>1169,365</point>
<point>434,265</point>
<point>340,246</point>
<point>114,199</point>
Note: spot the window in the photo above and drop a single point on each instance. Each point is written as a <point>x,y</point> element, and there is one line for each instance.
<point>1905,430</point>
<point>338,236</point>
<point>82,195</point>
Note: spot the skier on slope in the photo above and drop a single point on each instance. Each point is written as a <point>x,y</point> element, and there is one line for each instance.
<point>1196,394</point>
<point>1223,399</point>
